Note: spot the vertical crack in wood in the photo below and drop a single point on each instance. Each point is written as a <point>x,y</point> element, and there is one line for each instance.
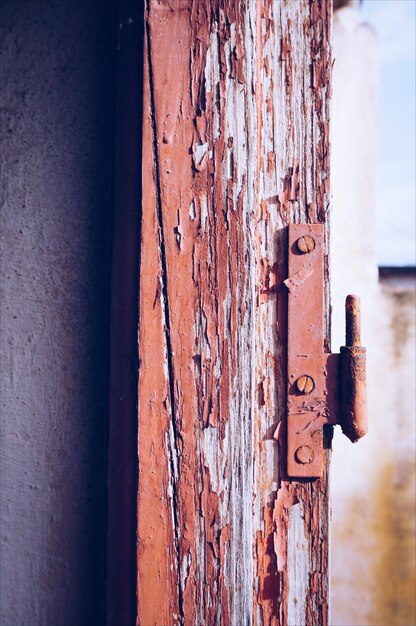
<point>174,452</point>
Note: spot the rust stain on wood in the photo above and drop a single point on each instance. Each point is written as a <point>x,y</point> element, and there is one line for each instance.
<point>235,147</point>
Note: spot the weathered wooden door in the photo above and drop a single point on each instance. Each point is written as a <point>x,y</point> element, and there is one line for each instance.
<point>235,144</point>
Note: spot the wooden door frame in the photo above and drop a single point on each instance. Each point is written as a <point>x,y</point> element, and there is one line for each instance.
<point>294,500</point>
<point>122,439</point>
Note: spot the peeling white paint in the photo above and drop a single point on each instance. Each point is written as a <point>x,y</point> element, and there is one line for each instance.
<point>192,212</point>
<point>204,211</point>
<point>200,151</point>
<point>297,546</point>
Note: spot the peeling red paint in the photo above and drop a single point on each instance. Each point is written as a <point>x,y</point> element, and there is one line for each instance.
<point>235,148</point>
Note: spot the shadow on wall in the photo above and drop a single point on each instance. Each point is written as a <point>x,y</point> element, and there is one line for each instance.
<point>57,91</point>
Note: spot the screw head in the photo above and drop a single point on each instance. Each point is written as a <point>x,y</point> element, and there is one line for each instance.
<point>305,384</point>
<point>305,244</point>
<point>304,455</point>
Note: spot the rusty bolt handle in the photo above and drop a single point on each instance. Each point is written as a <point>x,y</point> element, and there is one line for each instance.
<point>354,421</point>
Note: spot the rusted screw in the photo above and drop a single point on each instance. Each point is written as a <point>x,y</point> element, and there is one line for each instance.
<point>305,244</point>
<point>304,455</point>
<point>305,384</point>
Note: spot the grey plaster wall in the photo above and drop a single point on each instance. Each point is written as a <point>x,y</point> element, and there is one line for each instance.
<point>57,94</point>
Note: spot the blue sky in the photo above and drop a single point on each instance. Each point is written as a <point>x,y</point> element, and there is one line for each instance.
<point>395,22</point>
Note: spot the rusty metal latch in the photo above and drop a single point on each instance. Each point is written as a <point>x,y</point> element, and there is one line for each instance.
<point>323,388</point>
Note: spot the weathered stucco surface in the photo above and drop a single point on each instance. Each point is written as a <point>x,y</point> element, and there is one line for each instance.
<point>235,147</point>
<point>373,482</point>
<point>56,82</point>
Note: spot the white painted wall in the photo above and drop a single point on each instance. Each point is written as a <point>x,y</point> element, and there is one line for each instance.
<point>373,480</point>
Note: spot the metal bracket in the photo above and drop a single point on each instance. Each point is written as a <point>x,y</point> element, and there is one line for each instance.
<point>323,388</point>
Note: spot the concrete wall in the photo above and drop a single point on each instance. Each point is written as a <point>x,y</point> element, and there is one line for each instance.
<point>56,80</point>
<point>373,481</point>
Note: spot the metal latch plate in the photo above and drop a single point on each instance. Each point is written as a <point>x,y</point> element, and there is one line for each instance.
<point>307,400</point>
